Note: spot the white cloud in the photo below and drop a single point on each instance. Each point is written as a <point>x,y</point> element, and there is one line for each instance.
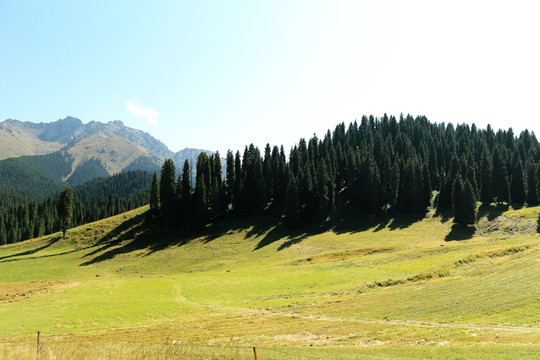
<point>149,114</point>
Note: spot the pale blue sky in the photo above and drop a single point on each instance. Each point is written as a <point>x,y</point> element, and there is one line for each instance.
<point>219,75</point>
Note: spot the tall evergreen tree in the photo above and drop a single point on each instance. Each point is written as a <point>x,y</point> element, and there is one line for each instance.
<point>200,201</point>
<point>457,196</point>
<point>292,210</point>
<point>185,200</point>
<point>538,182</point>
<point>230,178</point>
<point>323,192</point>
<point>517,186</point>
<point>167,190</point>
<point>155,204</point>
<point>486,173</point>
<point>532,194</point>
<point>501,185</point>
<point>65,209</point>
<point>3,234</point>
<point>468,203</point>
<point>238,184</point>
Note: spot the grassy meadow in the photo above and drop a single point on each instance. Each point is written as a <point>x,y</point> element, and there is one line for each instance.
<point>385,288</point>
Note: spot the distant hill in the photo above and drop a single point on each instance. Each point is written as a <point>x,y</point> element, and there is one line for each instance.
<point>26,138</point>
<point>188,154</point>
<point>37,160</point>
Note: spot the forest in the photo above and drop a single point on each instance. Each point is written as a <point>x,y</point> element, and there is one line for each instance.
<point>380,165</point>
<point>97,199</point>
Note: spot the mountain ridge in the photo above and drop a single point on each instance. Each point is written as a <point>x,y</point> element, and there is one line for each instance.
<point>66,132</point>
<point>90,150</point>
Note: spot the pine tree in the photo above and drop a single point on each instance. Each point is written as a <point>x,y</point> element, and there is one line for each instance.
<point>532,194</point>
<point>457,194</point>
<point>230,178</point>
<point>433,168</point>
<point>464,202</point>
<point>445,195</point>
<point>538,182</point>
<point>167,191</point>
<point>267,175</point>
<point>154,198</point>
<point>238,183</point>
<point>323,192</point>
<point>372,187</point>
<point>200,200</point>
<point>468,203</point>
<point>517,186</point>
<point>501,185</point>
<point>40,228</point>
<point>3,234</point>
<point>292,211</point>
<point>486,172</point>
<point>65,209</point>
<point>185,201</point>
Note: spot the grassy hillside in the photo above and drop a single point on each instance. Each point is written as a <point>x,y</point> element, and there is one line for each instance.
<point>379,288</point>
<point>115,153</point>
<point>18,140</point>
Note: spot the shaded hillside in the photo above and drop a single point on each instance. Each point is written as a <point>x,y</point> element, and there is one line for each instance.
<point>87,170</point>
<point>34,177</point>
<point>21,219</point>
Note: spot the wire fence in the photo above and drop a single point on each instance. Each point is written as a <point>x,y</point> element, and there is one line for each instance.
<point>63,349</point>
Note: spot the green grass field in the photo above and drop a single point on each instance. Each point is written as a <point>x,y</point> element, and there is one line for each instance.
<point>362,289</point>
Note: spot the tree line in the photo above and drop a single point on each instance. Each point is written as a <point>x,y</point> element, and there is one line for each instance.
<point>381,165</point>
<point>97,199</point>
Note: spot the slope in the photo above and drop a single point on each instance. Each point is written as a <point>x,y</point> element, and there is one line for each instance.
<point>19,140</point>
<point>34,177</point>
<point>114,152</point>
<point>89,150</point>
<point>382,287</point>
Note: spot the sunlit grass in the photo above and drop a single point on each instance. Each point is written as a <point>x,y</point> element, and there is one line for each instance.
<point>397,288</point>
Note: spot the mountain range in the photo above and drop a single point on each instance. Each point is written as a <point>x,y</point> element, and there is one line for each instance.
<point>68,151</point>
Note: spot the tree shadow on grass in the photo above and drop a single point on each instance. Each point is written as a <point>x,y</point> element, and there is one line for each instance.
<point>356,221</point>
<point>538,227</point>
<point>291,236</point>
<point>460,233</point>
<point>33,251</point>
<point>254,226</point>
<point>345,220</point>
<point>265,225</point>
<point>142,235</point>
<point>292,241</point>
<point>492,211</point>
<point>445,215</point>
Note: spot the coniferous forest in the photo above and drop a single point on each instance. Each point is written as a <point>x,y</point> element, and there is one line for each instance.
<point>97,199</point>
<point>380,165</point>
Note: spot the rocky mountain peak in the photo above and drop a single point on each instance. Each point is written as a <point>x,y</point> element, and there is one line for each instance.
<point>62,130</point>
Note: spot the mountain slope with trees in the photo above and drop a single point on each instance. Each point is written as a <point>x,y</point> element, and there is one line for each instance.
<point>97,199</point>
<point>38,160</point>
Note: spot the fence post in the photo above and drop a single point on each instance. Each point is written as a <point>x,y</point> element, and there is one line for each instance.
<point>255,352</point>
<point>37,348</point>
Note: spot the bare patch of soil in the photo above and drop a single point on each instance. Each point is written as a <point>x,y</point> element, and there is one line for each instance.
<point>20,291</point>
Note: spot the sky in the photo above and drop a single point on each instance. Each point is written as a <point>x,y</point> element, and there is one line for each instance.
<point>220,75</point>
